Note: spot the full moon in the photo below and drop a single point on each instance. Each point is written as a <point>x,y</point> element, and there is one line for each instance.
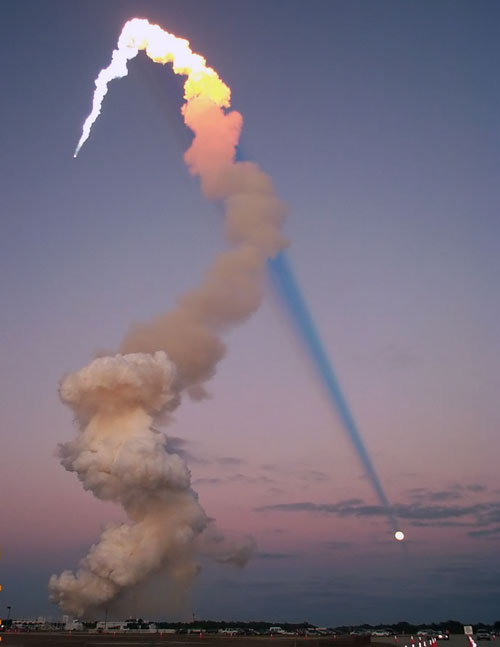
<point>399,535</point>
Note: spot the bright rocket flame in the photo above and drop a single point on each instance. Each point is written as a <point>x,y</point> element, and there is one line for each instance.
<point>161,47</point>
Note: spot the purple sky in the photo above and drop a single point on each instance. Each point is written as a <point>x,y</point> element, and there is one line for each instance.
<point>379,123</point>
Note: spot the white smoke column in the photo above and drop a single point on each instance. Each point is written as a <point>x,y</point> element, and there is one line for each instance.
<point>117,455</point>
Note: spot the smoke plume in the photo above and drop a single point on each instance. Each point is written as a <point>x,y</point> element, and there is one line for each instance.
<point>117,454</point>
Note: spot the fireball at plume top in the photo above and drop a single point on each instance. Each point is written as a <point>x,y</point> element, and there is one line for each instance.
<point>161,47</point>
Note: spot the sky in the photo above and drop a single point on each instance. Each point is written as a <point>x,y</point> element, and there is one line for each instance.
<point>379,125</point>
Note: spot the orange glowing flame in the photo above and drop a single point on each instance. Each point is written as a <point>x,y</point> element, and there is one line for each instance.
<point>161,47</point>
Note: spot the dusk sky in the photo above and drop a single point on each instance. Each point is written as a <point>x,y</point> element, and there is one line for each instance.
<point>379,123</point>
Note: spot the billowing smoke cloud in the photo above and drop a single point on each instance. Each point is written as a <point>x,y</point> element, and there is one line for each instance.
<point>118,455</point>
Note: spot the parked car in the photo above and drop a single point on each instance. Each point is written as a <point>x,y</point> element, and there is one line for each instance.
<point>381,632</point>
<point>483,635</point>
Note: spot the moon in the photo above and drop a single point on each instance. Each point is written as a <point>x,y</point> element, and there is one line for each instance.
<point>399,535</point>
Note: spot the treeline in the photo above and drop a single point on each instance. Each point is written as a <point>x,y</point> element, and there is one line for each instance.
<point>403,627</point>
<point>215,625</point>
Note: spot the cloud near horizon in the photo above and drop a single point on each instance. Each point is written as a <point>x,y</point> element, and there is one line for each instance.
<point>453,493</point>
<point>235,478</point>
<point>480,514</point>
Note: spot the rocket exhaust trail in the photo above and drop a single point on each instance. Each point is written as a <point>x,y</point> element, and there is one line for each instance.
<point>118,454</point>
<point>161,47</point>
<point>284,279</point>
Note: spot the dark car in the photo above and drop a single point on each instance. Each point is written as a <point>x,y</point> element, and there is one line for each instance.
<point>483,635</point>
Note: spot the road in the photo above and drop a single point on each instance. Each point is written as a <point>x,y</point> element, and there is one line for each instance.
<point>456,640</point>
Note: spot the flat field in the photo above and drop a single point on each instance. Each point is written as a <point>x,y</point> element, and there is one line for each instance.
<point>83,639</point>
